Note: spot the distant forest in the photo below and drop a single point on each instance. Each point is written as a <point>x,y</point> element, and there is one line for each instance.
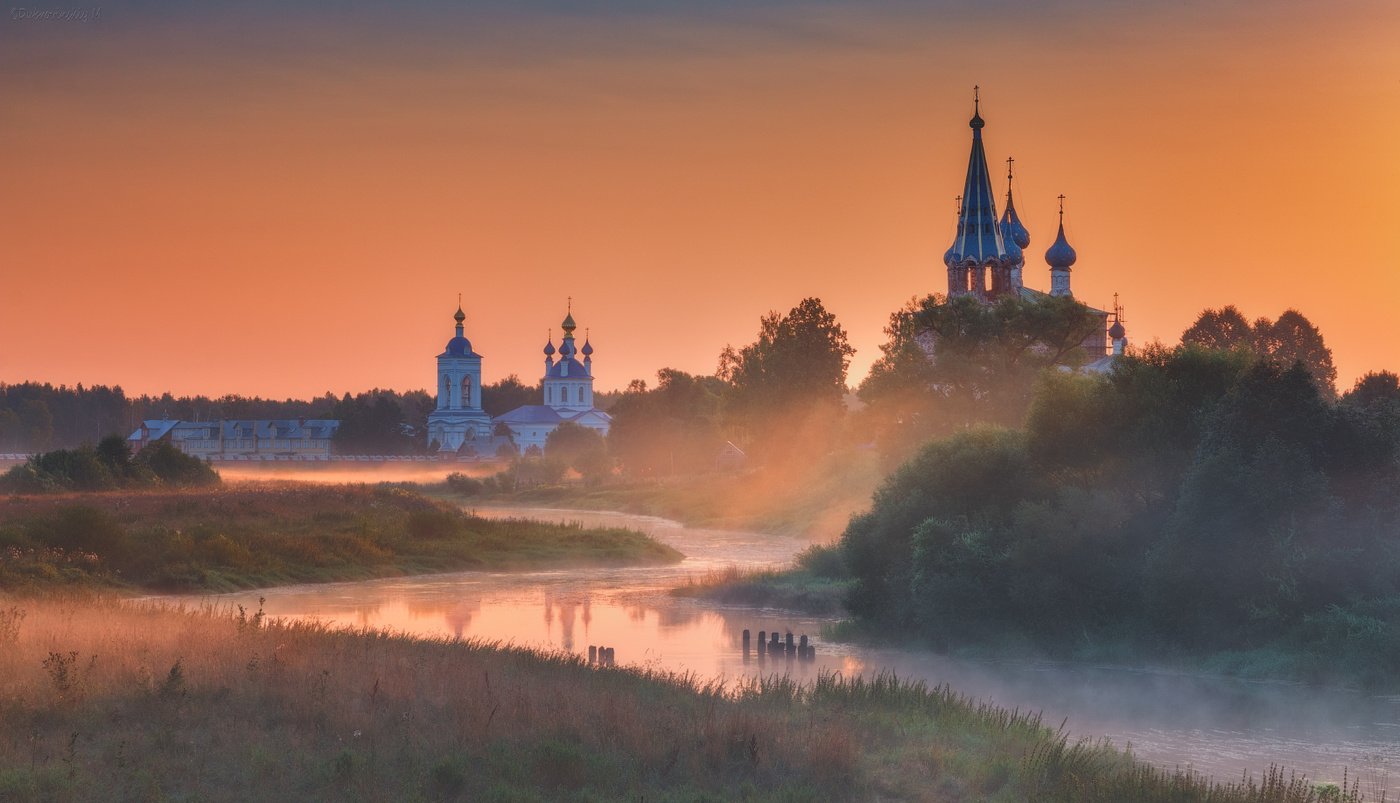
<point>38,416</point>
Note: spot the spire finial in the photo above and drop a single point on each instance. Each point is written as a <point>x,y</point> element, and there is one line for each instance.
<point>976,121</point>
<point>958,199</point>
<point>571,305</point>
<point>1009,162</point>
<point>1062,209</point>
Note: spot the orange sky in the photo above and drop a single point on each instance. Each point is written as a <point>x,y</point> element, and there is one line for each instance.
<point>236,198</point>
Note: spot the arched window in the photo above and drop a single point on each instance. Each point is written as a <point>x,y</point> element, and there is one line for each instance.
<point>580,394</point>
<point>467,391</point>
<point>445,398</point>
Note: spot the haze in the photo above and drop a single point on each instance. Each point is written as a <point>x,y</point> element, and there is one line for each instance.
<point>257,199</point>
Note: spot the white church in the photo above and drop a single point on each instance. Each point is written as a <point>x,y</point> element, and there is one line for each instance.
<point>460,426</point>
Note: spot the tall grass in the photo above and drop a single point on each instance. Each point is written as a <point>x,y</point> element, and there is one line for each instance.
<point>109,700</point>
<point>264,534</point>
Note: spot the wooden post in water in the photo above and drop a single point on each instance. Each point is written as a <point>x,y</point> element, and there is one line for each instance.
<point>612,656</point>
<point>592,655</point>
<point>762,642</point>
<point>775,646</point>
<point>746,643</point>
<point>790,650</point>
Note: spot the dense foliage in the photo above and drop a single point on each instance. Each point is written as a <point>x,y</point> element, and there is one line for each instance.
<point>791,380</point>
<point>109,465</point>
<point>952,362</point>
<point>1292,338</point>
<point>1192,500</point>
<point>672,428</point>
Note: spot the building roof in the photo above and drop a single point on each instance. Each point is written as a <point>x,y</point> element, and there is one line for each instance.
<point>543,414</point>
<point>530,414</point>
<point>575,369</point>
<point>262,428</point>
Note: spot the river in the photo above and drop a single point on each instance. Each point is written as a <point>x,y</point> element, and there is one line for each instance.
<point>1220,727</point>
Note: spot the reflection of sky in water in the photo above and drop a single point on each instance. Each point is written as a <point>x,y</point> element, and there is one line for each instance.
<point>1223,728</point>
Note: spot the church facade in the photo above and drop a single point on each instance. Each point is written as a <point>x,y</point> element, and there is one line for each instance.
<point>460,426</point>
<point>458,420</point>
<point>987,259</point>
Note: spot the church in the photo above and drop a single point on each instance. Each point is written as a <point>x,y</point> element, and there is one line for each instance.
<point>460,426</point>
<point>987,259</point>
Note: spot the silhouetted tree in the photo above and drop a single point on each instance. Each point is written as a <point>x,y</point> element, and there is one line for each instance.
<point>795,368</point>
<point>1224,328</point>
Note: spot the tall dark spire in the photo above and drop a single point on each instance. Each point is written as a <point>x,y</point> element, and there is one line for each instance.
<point>978,242</point>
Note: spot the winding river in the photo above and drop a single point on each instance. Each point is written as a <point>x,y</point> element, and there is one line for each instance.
<point>1219,727</point>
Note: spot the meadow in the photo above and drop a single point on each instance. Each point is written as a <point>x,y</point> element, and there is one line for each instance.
<point>111,699</point>
<point>261,534</point>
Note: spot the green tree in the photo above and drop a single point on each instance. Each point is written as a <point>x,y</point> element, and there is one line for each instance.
<point>501,397</point>
<point>580,448</point>
<point>372,423</point>
<point>36,425</point>
<point>796,367</point>
<point>1374,389</point>
<point>1225,328</point>
<point>952,363</point>
<point>1293,338</point>
<point>671,428</point>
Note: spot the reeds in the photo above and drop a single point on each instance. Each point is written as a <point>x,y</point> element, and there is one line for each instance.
<point>103,699</point>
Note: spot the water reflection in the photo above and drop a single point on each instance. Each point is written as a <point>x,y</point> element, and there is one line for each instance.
<point>1223,728</point>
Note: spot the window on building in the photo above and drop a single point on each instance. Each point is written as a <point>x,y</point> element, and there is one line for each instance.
<point>467,391</point>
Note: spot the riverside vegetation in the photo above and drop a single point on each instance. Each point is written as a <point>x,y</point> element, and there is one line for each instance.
<point>1195,504</point>
<point>117,700</point>
<point>246,535</point>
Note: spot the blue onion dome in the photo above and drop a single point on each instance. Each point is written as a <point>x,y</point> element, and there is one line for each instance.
<point>460,316</point>
<point>568,325</point>
<point>587,348</point>
<point>549,348</point>
<point>1011,228</point>
<point>976,122</point>
<point>459,347</point>
<point>1116,331</point>
<point>1061,255</point>
<point>566,348</point>
<point>1013,251</point>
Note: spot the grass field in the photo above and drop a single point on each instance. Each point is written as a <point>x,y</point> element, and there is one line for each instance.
<point>249,535</point>
<point>111,700</point>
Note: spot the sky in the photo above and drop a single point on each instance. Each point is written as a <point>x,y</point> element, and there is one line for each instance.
<point>265,199</point>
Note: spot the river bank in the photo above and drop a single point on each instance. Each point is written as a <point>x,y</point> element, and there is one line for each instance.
<point>116,699</point>
<point>812,501</point>
<point>265,534</point>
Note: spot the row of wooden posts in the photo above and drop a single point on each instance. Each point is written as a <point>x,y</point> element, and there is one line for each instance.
<point>602,656</point>
<point>800,650</point>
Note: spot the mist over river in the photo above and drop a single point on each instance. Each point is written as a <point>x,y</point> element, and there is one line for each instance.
<point>1220,727</point>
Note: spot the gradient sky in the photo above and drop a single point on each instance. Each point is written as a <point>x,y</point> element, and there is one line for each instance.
<point>251,198</point>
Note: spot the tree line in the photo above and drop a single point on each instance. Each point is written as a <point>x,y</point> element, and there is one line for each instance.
<point>1216,499</point>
